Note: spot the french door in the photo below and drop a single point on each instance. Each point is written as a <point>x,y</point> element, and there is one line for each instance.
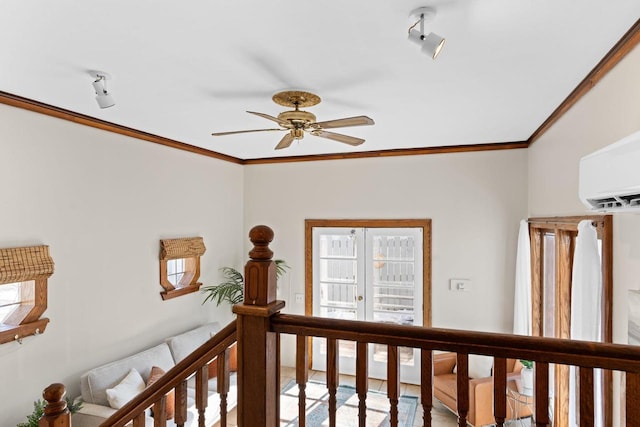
<point>373,274</point>
<point>552,255</point>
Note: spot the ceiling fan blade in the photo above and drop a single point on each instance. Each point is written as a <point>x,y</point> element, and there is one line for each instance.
<point>285,141</point>
<point>338,137</point>
<point>340,123</point>
<point>283,123</point>
<point>243,131</point>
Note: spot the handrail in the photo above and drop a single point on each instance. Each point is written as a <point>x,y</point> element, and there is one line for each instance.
<point>585,355</point>
<point>550,350</point>
<point>179,373</point>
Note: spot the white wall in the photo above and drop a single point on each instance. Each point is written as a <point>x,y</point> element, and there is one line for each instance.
<point>102,201</point>
<point>474,199</point>
<point>610,111</point>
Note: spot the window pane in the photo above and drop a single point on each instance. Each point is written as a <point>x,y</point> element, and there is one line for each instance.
<point>175,270</point>
<point>9,299</point>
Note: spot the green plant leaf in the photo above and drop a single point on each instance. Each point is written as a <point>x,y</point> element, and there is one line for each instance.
<point>38,411</point>
<point>527,363</point>
<point>231,290</point>
<point>281,267</point>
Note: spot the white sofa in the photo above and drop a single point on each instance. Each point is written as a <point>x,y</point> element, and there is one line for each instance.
<point>94,383</point>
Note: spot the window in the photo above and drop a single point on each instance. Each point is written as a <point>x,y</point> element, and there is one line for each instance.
<point>552,249</point>
<point>175,270</point>
<point>180,266</point>
<point>9,299</point>
<point>23,291</point>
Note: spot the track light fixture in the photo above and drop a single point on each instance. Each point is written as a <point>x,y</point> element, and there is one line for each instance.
<point>105,100</point>
<point>431,43</point>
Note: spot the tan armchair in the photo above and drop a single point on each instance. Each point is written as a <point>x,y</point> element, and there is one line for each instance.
<point>480,390</point>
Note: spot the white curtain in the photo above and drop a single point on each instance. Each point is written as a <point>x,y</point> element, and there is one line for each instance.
<point>586,308</point>
<point>522,293</point>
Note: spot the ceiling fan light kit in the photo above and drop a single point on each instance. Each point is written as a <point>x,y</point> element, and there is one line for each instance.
<point>296,122</point>
<point>431,43</point>
<point>103,97</point>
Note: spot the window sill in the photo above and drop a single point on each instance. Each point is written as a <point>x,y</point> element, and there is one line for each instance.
<point>10,333</point>
<point>178,292</point>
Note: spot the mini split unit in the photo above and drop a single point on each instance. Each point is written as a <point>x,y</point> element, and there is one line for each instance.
<point>610,177</point>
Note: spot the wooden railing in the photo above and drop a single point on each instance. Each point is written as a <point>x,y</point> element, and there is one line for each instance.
<point>259,325</point>
<point>196,364</point>
<point>544,351</point>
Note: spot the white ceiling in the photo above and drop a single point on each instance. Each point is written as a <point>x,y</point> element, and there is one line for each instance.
<point>182,70</point>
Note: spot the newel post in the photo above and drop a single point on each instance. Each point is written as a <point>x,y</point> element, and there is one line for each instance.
<point>56,413</point>
<point>258,348</point>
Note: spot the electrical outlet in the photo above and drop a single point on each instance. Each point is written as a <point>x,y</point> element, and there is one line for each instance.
<point>299,298</point>
<point>460,285</point>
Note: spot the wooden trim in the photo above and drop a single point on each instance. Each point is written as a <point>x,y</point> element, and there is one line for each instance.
<point>563,226</point>
<point>610,60</point>
<point>82,119</point>
<point>425,224</point>
<point>420,151</point>
<point>537,288</point>
<point>628,41</point>
<point>607,321</point>
<point>564,241</point>
<point>10,333</point>
<point>177,376</point>
<point>178,292</point>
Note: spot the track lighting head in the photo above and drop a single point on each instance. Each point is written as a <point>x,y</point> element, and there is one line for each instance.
<point>431,43</point>
<point>104,99</point>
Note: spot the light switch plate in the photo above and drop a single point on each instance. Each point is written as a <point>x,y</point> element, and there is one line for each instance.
<point>460,285</point>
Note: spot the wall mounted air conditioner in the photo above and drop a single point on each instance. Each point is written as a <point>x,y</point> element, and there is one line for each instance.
<point>610,177</point>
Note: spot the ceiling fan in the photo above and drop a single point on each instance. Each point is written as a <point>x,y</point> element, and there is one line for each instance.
<point>296,122</point>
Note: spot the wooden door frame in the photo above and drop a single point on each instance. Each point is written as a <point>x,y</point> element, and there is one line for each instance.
<point>424,224</point>
<point>565,229</point>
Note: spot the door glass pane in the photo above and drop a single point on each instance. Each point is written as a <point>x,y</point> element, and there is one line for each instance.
<point>338,283</point>
<point>549,285</point>
<point>338,280</point>
<point>393,283</point>
<point>372,274</point>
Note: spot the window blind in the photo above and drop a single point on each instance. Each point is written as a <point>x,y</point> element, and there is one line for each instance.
<point>26,263</point>
<point>187,247</point>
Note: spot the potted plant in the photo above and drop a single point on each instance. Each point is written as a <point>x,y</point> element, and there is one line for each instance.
<point>38,411</point>
<point>526,376</point>
<point>232,289</point>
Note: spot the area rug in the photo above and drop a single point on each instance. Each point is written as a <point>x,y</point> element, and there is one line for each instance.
<point>317,406</point>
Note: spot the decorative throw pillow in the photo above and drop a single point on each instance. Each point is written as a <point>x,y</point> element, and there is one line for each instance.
<point>126,390</point>
<point>480,366</point>
<point>154,376</point>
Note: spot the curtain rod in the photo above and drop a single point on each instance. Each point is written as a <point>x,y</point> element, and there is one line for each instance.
<point>595,223</point>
